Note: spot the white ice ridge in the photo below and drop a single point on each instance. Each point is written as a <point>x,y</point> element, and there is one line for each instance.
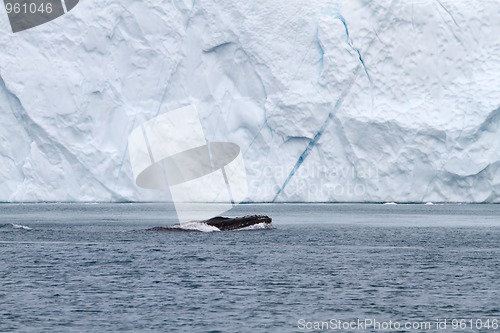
<point>384,101</point>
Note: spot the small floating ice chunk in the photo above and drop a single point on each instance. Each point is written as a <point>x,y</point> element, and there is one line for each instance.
<point>429,203</point>
<point>19,226</point>
<point>390,203</point>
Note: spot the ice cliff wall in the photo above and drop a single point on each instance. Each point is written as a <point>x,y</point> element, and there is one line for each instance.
<point>329,100</point>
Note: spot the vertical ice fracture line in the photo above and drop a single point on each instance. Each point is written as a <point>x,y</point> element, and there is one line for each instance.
<point>212,166</point>
<point>147,144</point>
<point>227,185</point>
<point>338,104</point>
<point>318,135</point>
<point>308,149</point>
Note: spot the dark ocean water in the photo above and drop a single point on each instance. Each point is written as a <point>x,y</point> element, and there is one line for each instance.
<point>93,268</point>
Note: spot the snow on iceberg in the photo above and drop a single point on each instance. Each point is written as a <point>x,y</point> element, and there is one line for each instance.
<point>329,100</point>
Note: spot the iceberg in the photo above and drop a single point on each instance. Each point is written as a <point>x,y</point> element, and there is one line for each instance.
<point>329,101</point>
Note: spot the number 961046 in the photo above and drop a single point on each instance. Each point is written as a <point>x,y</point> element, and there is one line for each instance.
<point>28,8</point>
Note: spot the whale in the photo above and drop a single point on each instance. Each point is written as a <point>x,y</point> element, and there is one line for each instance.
<point>224,223</point>
<point>234,223</point>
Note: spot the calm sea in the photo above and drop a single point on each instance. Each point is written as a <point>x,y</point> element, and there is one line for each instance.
<point>330,267</point>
